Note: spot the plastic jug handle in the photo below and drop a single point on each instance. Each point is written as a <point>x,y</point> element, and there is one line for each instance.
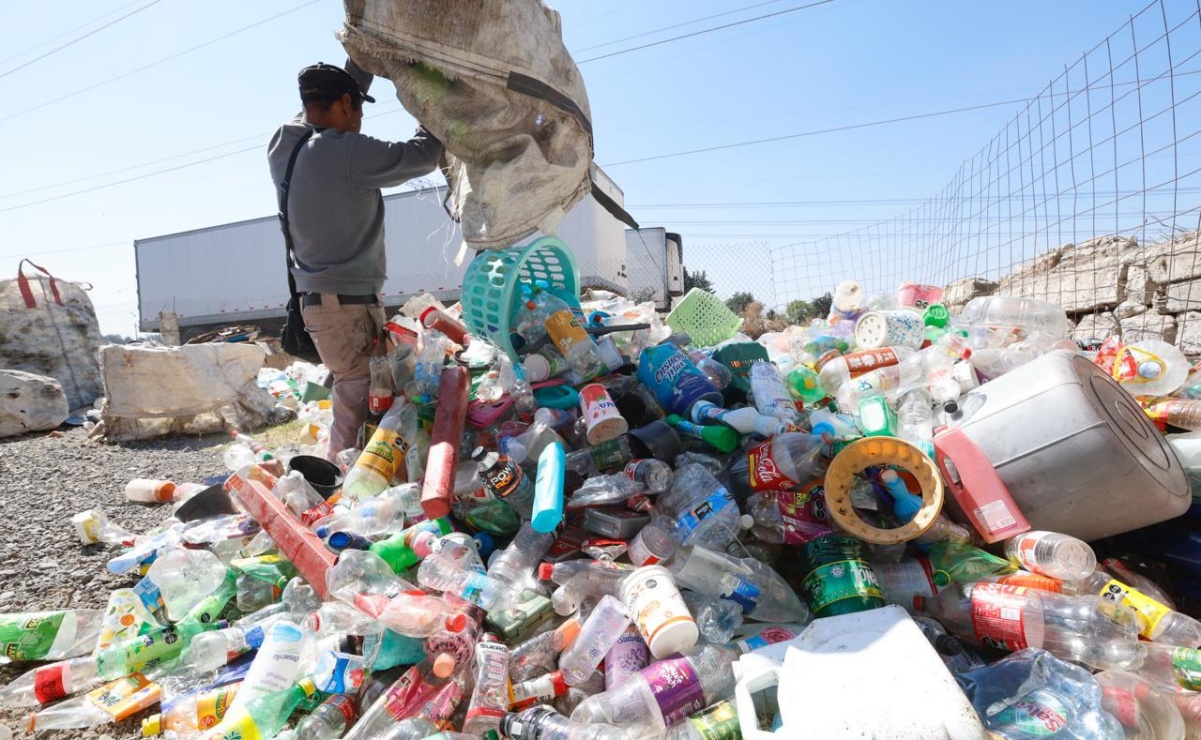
<point>977,488</point>
<point>761,673</point>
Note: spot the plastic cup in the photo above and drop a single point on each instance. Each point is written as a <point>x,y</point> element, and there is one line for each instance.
<point>321,474</point>
<point>603,419</point>
<point>657,440</point>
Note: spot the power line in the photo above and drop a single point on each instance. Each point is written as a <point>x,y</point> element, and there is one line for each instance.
<point>66,33</point>
<point>77,39</point>
<point>144,67</point>
<point>69,249</point>
<point>149,174</point>
<point>816,132</point>
<point>678,25</point>
<point>707,30</point>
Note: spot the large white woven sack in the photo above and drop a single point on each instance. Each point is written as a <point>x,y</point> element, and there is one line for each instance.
<point>494,82</point>
<point>48,327</point>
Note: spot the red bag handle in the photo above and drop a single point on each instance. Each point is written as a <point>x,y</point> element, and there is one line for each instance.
<point>27,292</point>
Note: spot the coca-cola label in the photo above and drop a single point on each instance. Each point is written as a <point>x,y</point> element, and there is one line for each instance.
<point>764,473</point>
<point>48,683</point>
<point>316,513</point>
<point>998,616</point>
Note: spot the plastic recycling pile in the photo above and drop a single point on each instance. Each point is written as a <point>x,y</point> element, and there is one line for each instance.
<point>603,531</point>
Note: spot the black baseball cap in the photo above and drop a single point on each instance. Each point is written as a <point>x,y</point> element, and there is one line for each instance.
<point>323,81</point>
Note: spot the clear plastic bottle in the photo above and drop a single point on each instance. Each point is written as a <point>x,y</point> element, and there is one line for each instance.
<point>568,336</point>
<point>1052,554</point>
<point>329,721</point>
<point>716,618</point>
<point>110,703</point>
<point>746,420</point>
<point>1157,621</point>
<point>665,692</point>
<point>363,580</point>
<point>915,419</point>
<point>384,456</point>
<point>759,591</point>
<point>428,369</point>
<point>784,462</point>
<point>544,723</point>
<point>379,398</point>
<point>655,475</point>
<point>514,566</point>
<point>490,698</point>
<point>454,567</point>
<point>834,369</point>
<point>1007,312</point>
<point>1080,629</point>
<point>506,480</point>
<point>1172,667</point>
<point>771,395</point>
<point>698,509</point>
<point>593,578</point>
<point>598,633</point>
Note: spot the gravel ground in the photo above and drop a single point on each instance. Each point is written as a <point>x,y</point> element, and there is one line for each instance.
<point>48,478</point>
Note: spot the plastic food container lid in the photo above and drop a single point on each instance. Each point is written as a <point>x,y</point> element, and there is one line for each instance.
<point>871,331</point>
<point>536,367</point>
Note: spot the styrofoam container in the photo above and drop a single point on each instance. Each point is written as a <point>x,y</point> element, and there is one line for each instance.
<point>866,675</point>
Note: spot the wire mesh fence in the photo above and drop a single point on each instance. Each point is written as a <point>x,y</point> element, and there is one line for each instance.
<point>1090,197</point>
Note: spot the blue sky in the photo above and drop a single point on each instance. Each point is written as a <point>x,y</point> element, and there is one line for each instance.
<point>846,62</point>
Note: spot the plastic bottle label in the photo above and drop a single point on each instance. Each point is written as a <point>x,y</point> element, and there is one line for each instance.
<point>745,594</point>
<point>48,683</point>
<point>627,656</point>
<point>859,363</point>
<point>718,722</point>
<point>609,454</point>
<point>844,579</point>
<point>492,663</point>
<point>999,616</point>
<point>212,706</point>
<point>1186,668</point>
<point>1041,713</point>
<point>907,579</point>
<point>403,695</point>
<point>343,704</point>
<point>541,690</point>
<point>384,454</point>
<point>764,473</point>
<point>676,688</point>
<point>565,331</point>
<point>804,513</point>
<point>1026,550</point>
<point>316,513</point>
<point>241,727</point>
<point>126,696</point>
<point>1135,365</point>
<point>29,636</point>
<point>1152,612</point>
<point>768,636</point>
<point>504,479</point>
<point>690,520</point>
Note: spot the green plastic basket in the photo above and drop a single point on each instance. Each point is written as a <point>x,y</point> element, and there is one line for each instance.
<point>705,318</point>
<point>491,285</point>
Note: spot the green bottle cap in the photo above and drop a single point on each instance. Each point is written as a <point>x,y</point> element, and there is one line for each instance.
<point>936,314</point>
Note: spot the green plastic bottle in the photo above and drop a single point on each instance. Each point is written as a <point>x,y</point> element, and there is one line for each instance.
<point>838,577</point>
<point>264,716</point>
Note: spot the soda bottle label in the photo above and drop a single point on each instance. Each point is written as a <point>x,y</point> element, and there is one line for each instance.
<point>212,706</point>
<point>676,688</point>
<point>48,683</point>
<point>126,696</point>
<point>718,722</point>
<point>765,474</point>
<point>565,331</point>
<point>744,593</point>
<point>1186,668</point>
<point>1026,551</point>
<point>1041,713</point>
<point>403,696</point>
<point>384,454</point>
<point>690,520</point>
<point>1151,611</point>
<point>343,704</point>
<point>999,616</point>
<point>844,579</point>
<point>316,513</point>
<point>804,513</point>
<point>29,636</point>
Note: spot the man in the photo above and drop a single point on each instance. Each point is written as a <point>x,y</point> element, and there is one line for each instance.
<point>336,220</point>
